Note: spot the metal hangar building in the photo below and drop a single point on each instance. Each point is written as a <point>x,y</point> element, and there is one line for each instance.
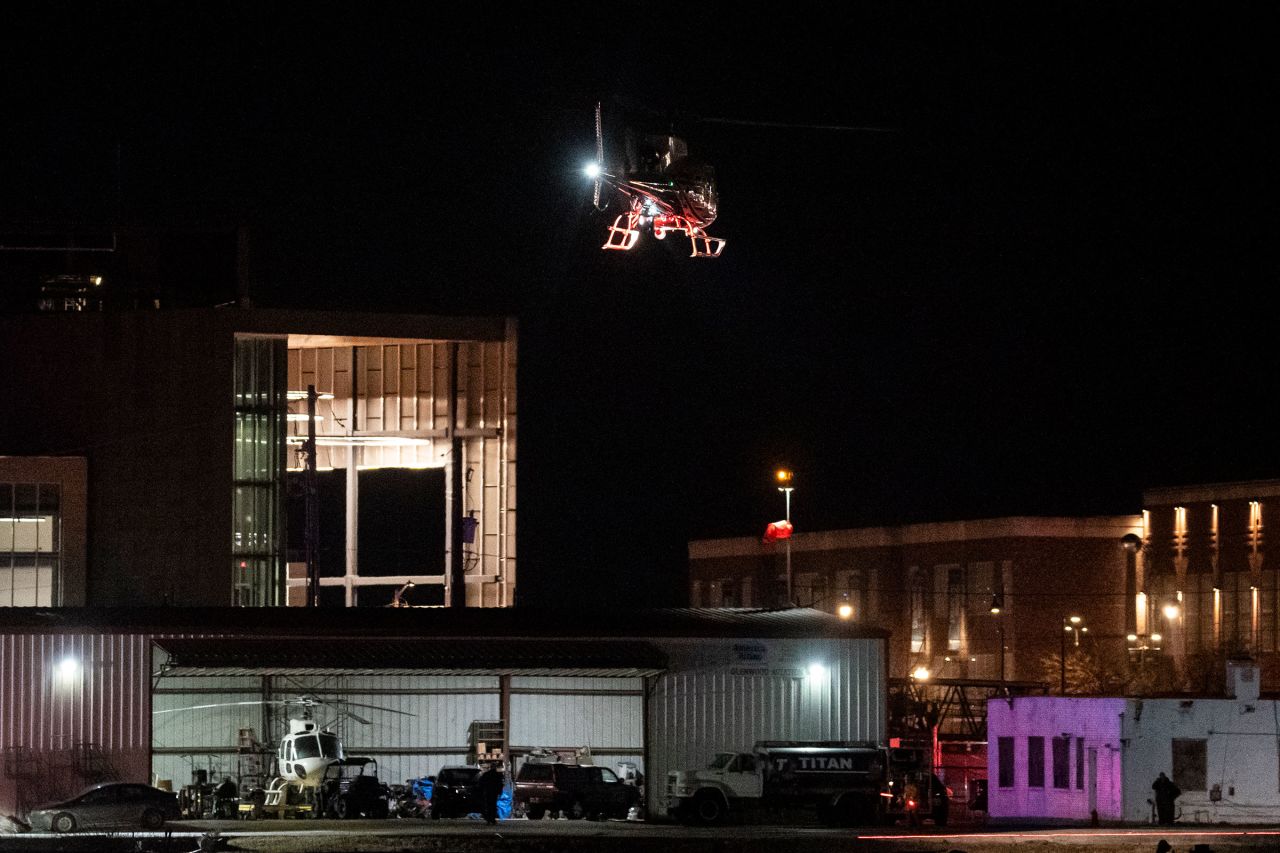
<point>161,693</point>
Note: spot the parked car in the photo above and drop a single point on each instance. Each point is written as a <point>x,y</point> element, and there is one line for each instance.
<point>574,790</point>
<point>110,805</point>
<point>454,792</point>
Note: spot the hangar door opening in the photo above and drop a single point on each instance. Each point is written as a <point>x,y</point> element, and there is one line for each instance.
<point>221,707</point>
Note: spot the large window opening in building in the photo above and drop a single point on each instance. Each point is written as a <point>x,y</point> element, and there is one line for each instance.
<point>30,545</point>
<point>398,423</point>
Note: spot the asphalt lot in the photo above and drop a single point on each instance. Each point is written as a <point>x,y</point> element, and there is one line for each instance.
<point>467,836</point>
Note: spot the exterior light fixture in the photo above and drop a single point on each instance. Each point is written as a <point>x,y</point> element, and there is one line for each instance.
<point>1155,638</point>
<point>920,673</point>
<point>1074,620</point>
<point>817,670</point>
<point>1171,611</point>
<point>592,170</point>
<point>67,670</point>
<point>845,611</point>
<point>1133,638</point>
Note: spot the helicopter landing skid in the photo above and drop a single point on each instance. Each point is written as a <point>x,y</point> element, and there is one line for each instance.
<point>704,245</point>
<point>623,237</point>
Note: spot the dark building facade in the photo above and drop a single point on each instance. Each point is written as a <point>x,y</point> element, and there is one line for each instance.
<point>187,426</point>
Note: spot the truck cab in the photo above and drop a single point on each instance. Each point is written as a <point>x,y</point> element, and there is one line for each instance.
<point>704,796</point>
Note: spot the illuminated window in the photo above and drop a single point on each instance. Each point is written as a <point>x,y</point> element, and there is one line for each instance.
<point>919,622</point>
<point>955,609</point>
<point>851,589</point>
<point>30,544</point>
<point>810,589</point>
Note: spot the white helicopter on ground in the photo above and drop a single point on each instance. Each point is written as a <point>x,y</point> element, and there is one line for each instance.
<point>304,754</point>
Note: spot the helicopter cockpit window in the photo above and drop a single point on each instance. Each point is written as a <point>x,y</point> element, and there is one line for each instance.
<point>329,747</point>
<point>307,746</point>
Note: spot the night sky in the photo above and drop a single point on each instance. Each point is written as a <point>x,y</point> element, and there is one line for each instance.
<point>1045,288</point>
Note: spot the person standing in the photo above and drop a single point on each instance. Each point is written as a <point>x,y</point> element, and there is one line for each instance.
<point>490,785</point>
<point>1166,792</point>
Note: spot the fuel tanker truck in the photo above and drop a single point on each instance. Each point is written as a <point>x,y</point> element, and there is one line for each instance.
<point>849,783</point>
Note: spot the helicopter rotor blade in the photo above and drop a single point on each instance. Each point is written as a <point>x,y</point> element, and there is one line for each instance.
<point>224,705</point>
<point>797,126</point>
<point>357,717</point>
<point>343,703</point>
<point>595,197</point>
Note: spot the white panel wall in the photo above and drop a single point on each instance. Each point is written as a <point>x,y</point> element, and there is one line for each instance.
<point>724,695</point>
<point>606,714</point>
<point>1243,745</point>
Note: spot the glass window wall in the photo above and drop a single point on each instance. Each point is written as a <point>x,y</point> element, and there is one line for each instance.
<point>30,545</point>
<point>257,497</point>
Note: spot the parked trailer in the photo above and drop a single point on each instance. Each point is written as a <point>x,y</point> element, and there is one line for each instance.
<point>843,780</point>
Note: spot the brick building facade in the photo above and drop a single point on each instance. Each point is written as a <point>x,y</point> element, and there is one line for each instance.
<point>934,586</point>
<point>1205,581</point>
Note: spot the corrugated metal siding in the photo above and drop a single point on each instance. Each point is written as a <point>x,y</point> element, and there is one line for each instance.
<point>105,701</point>
<point>559,720</point>
<point>724,695</point>
<point>47,713</point>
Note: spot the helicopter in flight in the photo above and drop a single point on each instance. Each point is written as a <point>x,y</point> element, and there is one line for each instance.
<point>662,188</point>
<point>303,755</point>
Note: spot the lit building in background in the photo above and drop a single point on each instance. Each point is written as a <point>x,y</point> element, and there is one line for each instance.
<point>951,593</point>
<point>165,467</point>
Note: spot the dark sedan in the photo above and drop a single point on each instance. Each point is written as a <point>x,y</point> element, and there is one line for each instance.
<point>111,805</point>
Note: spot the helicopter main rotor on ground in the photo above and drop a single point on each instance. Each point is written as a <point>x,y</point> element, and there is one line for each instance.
<point>309,748</point>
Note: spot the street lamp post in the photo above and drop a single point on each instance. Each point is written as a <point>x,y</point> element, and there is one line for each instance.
<point>1070,625</point>
<point>784,486</point>
<point>997,607</point>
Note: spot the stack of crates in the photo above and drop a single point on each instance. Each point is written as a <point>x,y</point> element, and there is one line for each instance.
<point>486,741</point>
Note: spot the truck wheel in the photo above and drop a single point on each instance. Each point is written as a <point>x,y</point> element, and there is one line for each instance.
<point>709,808</point>
<point>576,810</point>
<point>536,812</point>
<point>940,814</point>
<point>342,808</point>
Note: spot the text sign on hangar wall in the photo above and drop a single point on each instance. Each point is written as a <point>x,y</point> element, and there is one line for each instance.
<point>757,659</point>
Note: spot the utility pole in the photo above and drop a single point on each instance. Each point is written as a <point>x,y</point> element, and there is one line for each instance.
<point>784,485</point>
<point>457,567</point>
<point>311,496</point>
